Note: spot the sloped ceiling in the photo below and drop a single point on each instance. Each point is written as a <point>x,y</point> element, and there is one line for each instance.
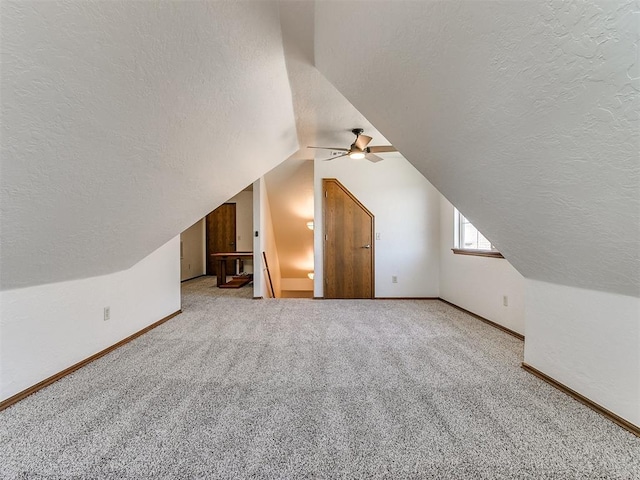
<point>125,122</point>
<point>324,117</point>
<point>523,114</point>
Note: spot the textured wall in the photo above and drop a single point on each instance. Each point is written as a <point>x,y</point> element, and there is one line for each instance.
<point>192,251</point>
<point>264,242</point>
<point>479,283</point>
<point>323,118</point>
<point>407,218</point>
<point>587,340</point>
<point>290,189</point>
<point>47,328</point>
<point>125,122</point>
<point>523,114</point>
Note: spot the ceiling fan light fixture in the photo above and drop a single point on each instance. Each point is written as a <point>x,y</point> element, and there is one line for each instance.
<point>359,149</point>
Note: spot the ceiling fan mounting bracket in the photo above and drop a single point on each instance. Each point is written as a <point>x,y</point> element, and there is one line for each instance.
<point>357,131</point>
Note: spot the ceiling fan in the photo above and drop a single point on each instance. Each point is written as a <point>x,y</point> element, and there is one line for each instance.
<point>359,148</point>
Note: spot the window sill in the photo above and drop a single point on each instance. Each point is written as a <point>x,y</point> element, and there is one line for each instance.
<point>477,253</point>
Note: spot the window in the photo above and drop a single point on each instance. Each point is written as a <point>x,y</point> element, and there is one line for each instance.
<point>469,241</point>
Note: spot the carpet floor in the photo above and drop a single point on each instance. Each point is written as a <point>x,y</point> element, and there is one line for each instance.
<point>296,388</point>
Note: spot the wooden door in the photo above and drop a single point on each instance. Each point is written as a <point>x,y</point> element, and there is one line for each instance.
<point>348,244</point>
<point>221,236</point>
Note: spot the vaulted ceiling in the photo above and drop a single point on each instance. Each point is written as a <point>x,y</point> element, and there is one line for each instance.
<point>124,122</point>
<point>324,117</point>
<point>523,114</point>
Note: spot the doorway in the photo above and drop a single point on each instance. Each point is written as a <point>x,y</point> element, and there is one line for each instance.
<point>348,244</point>
<point>221,236</point>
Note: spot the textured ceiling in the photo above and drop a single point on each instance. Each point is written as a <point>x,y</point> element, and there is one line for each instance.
<point>523,114</point>
<point>323,115</point>
<point>124,122</point>
<point>323,118</point>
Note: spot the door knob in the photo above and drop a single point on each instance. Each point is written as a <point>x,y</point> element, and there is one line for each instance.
<point>366,246</point>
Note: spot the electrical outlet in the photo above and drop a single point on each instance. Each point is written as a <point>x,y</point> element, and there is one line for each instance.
<point>107,313</point>
<point>505,300</point>
<point>394,279</point>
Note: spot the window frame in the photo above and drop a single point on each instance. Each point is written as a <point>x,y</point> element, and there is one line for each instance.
<point>458,247</point>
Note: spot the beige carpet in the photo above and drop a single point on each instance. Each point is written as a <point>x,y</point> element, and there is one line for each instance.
<point>296,388</point>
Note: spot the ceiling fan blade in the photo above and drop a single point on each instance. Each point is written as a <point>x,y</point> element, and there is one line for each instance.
<point>333,158</point>
<point>332,148</point>
<point>373,158</point>
<point>362,141</point>
<point>382,149</point>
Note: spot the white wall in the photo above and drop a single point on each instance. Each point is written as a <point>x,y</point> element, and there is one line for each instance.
<point>264,242</point>
<point>194,238</point>
<point>244,220</point>
<point>407,218</point>
<point>296,284</point>
<point>244,224</point>
<point>45,329</point>
<point>523,113</point>
<point>270,246</point>
<point>192,254</point>
<point>136,113</point>
<point>478,284</point>
<point>587,340</point>
<point>290,191</point>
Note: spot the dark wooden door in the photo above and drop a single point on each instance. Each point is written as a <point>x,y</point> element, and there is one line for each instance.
<point>221,236</point>
<point>348,245</point>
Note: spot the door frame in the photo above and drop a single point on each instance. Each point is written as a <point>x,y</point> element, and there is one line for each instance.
<point>324,234</point>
